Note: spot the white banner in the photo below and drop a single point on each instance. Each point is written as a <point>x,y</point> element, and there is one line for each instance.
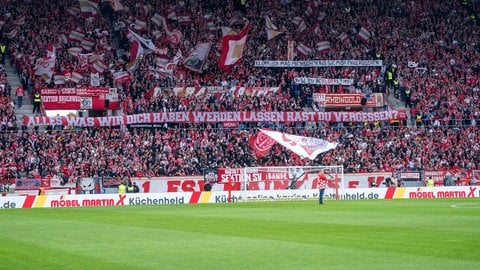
<point>319,63</point>
<point>322,81</point>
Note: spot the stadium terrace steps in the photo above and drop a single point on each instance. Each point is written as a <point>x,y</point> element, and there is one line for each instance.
<point>14,82</point>
<point>397,104</point>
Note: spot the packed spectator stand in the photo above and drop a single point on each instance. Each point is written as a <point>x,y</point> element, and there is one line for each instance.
<point>431,48</point>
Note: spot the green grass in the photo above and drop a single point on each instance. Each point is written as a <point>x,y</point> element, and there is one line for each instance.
<point>370,234</point>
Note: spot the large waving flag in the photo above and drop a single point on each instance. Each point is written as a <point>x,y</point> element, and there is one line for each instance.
<point>174,36</point>
<point>197,58</point>
<point>306,147</point>
<point>136,55</point>
<point>232,48</point>
<point>271,29</point>
<point>44,66</point>
<point>147,44</point>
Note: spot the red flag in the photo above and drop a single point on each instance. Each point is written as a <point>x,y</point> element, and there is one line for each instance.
<point>136,55</point>
<point>232,49</point>
<point>261,144</point>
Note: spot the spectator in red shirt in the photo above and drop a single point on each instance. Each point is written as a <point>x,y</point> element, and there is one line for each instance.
<point>19,92</point>
<point>322,185</point>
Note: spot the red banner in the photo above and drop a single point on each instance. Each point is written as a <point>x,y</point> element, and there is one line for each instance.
<point>347,100</point>
<point>91,98</point>
<point>213,117</point>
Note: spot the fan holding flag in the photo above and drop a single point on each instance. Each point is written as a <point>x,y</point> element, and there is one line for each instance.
<point>322,185</point>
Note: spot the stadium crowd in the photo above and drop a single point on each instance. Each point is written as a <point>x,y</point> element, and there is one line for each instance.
<point>431,49</point>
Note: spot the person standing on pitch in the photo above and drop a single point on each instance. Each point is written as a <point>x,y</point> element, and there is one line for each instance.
<point>322,185</point>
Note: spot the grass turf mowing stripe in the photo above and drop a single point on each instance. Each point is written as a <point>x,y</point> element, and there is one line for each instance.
<point>398,234</point>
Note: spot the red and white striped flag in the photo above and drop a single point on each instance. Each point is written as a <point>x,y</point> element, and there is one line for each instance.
<point>87,44</point>
<point>364,34</point>
<point>343,37</point>
<point>75,50</point>
<point>122,76</point>
<point>12,34</point>
<point>99,66</point>
<point>88,7</point>
<point>76,76</point>
<point>184,19</point>
<point>59,79</point>
<point>323,46</point>
<point>300,23</point>
<point>19,21</point>
<point>96,56</point>
<point>74,11</point>
<point>75,35</point>
<point>303,49</point>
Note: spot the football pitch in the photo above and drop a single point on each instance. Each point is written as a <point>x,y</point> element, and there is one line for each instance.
<point>366,234</point>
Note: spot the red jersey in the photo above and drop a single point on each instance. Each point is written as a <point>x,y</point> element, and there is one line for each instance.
<point>322,181</point>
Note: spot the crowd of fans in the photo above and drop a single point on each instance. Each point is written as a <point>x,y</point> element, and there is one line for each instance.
<point>431,48</point>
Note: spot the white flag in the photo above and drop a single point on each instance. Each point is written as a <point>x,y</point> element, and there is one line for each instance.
<point>306,147</point>
<point>271,29</point>
<point>94,79</point>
